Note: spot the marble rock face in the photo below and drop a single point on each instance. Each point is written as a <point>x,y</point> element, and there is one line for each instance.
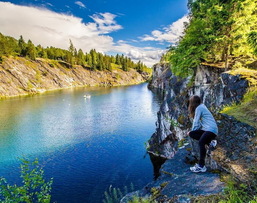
<point>236,151</point>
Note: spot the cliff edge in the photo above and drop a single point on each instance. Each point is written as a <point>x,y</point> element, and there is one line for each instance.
<point>237,148</point>
<point>237,144</point>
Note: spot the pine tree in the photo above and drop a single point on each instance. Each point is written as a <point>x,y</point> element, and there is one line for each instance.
<point>8,46</point>
<point>125,64</point>
<point>94,58</point>
<point>109,66</point>
<point>118,60</point>
<point>22,46</point>
<point>100,62</point>
<point>139,67</point>
<point>2,46</point>
<point>113,60</point>
<point>72,48</point>
<point>70,54</point>
<point>50,52</point>
<point>80,57</point>
<point>89,60</point>
<point>44,54</point>
<point>30,50</point>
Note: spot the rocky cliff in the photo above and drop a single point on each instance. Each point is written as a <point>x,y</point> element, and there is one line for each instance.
<point>20,76</point>
<point>237,142</point>
<point>160,77</point>
<point>237,148</point>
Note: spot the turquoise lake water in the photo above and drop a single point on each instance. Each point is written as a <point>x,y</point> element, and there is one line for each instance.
<point>86,145</point>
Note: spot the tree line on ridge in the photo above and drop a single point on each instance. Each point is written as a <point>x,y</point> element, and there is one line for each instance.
<point>94,60</point>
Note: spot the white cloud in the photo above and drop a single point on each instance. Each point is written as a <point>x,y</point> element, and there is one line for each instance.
<point>148,55</point>
<point>80,4</point>
<point>49,4</point>
<point>169,34</point>
<point>49,28</point>
<point>106,22</point>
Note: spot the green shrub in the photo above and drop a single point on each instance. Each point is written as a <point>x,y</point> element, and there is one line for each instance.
<point>141,200</point>
<point>34,189</point>
<point>236,192</point>
<point>114,195</point>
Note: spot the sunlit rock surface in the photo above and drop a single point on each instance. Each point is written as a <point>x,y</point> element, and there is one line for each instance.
<point>21,76</point>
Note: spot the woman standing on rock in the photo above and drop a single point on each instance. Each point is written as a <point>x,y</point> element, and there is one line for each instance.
<point>204,130</point>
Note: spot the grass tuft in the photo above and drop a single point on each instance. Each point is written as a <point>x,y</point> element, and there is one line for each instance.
<point>246,111</point>
<point>248,74</point>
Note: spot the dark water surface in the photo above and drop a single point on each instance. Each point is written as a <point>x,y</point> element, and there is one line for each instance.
<point>86,145</point>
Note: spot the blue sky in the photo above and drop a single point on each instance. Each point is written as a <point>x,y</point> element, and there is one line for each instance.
<point>140,29</point>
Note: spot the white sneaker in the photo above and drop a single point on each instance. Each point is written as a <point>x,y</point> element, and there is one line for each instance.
<point>196,168</point>
<point>211,147</point>
<point>213,144</point>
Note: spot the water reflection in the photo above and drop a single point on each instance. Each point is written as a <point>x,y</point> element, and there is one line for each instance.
<point>86,145</point>
<point>157,163</point>
<point>158,95</point>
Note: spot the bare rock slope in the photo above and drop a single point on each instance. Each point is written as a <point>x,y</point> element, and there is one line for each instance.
<point>20,76</point>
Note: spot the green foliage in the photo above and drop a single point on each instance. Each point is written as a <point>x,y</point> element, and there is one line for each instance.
<point>246,73</point>
<point>81,58</point>
<point>237,193</point>
<point>141,200</point>
<point>166,56</point>
<point>181,142</point>
<point>38,77</point>
<point>41,52</point>
<point>8,46</point>
<point>118,60</point>
<point>191,50</point>
<point>22,46</point>
<point>252,40</point>
<point>164,184</point>
<point>246,110</point>
<point>29,85</point>
<point>34,188</point>
<point>218,31</point>
<point>94,60</point>
<point>254,200</point>
<point>173,122</point>
<point>70,55</point>
<point>30,51</point>
<point>114,195</point>
<point>140,67</point>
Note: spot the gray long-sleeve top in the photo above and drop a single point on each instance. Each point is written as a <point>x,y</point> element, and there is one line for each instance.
<point>203,120</point>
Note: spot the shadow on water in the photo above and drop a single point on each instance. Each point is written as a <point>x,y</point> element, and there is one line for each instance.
<point>157,163</point>
<point>158,94</point>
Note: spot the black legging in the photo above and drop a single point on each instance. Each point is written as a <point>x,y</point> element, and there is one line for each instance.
<point>204,137</point>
